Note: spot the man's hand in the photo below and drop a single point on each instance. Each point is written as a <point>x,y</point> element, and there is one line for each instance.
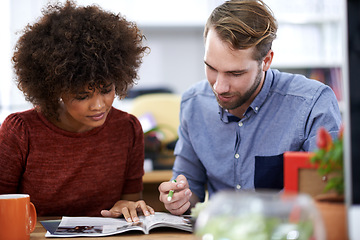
<point>129,209</point>
<point>180,201</point>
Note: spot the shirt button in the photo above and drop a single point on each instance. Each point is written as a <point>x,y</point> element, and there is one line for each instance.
<point>237,155</point>
<point>238,187</point>
<point>240,124</point>
<point>256,108</point>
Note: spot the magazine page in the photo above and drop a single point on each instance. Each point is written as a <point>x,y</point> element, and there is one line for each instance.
<point>100,226</point>
<point>161,219</point>
<point>93,227</point>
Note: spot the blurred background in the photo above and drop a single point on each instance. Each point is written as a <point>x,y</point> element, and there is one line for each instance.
<point>310,41</point>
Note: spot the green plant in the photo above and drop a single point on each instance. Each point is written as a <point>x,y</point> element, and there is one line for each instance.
<point>329,160</point>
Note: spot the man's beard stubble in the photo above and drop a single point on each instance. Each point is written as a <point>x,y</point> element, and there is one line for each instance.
<point>241,99</point>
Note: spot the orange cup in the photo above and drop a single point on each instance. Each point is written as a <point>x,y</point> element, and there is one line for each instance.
<point>17,217</point>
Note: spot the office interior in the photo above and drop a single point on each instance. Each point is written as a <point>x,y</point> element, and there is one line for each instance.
<point>310,41</point>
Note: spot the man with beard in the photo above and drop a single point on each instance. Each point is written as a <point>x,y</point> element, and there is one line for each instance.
<point>235,127</point>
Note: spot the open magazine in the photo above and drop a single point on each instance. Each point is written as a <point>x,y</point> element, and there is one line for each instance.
<point>99,226</point>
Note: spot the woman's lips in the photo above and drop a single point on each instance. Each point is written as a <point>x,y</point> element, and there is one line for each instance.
<point>97,117</point>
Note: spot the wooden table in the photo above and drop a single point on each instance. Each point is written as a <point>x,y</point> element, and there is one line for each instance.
<point>168,233</point>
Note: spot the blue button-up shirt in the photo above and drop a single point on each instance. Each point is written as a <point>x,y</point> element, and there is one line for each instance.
<point>217,150</point>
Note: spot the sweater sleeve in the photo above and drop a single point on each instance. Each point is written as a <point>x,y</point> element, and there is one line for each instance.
<point>13,153</point>
<point>135,163</point>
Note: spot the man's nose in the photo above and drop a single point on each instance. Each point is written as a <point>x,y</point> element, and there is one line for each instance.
<point>221,84</point>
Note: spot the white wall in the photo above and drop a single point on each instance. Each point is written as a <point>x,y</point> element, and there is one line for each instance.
<point>4,59</point>
<point>176,57</point>
<point>309,36</point>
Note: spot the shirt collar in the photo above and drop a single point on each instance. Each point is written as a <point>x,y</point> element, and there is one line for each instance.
<point>259,100</point>
<point>227,117</point>
<point>223,114</point>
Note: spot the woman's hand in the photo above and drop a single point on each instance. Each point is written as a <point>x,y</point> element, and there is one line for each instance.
<point>129,209</point>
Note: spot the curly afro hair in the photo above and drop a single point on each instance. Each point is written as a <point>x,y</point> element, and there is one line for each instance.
<point>72,48</point>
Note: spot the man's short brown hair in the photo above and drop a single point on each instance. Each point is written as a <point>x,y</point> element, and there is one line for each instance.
<point>244,24</point>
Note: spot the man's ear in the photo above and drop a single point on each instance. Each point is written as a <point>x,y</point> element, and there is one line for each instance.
<point>268,60</point>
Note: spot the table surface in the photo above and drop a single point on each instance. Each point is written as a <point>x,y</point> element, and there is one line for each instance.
<point>157,176</point>
<point>168,233</point>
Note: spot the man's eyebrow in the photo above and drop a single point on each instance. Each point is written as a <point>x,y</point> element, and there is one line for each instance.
<point>237,71</point>
<point>232,72</point>
<point>208,65</point>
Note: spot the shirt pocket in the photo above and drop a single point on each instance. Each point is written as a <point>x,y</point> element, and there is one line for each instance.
<point>269,172</point>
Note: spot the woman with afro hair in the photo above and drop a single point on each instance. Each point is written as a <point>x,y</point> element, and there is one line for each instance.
<point>74,153</point>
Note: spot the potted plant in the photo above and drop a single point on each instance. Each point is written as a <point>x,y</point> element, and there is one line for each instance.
<point>329,163</point>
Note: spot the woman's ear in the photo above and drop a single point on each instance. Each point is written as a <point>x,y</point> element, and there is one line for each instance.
<point>268,60</point>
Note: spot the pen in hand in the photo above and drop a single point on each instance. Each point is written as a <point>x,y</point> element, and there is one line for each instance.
<point>171,192</point>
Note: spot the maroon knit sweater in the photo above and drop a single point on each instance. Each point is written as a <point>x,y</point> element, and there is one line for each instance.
<point>73,174</point>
